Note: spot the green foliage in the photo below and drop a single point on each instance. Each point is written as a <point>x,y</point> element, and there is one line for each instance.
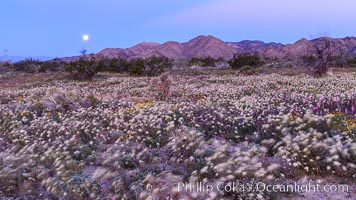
<point>240,60</point>
<point>82,69</point>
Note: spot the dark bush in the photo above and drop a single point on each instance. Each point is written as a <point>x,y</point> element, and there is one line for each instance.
<point>86,67</point>
<point>28,65</point>
<point>352,62</point>
<point>52,66</point>
<point>240,60</point>
<point>35,66</point>
<point>308,60</point>
<point>155,66</point>
<point>5,66</point>
<point>137,67</point>
<point>151,66</point>
<point>113,65</point>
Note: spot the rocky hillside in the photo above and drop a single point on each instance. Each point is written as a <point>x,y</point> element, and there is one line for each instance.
<point>204,46</point>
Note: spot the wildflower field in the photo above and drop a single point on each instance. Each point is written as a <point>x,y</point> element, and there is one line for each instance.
<point>122,137</point>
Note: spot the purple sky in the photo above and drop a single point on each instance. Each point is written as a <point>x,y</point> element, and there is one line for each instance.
<point>55,28</point>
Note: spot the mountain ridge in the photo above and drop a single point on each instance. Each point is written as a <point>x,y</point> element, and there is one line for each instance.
<point>210,46</point>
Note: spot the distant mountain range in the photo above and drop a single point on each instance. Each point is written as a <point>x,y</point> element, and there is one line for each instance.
<point>204,46</point>
<point>19,58</point>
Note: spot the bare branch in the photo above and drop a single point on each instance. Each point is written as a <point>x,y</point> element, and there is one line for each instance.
<point>325,51</point>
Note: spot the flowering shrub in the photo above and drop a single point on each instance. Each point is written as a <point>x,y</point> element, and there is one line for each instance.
<point>137,138</point>
<point>162,85</point>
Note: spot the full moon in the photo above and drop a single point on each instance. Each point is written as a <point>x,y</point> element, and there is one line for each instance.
<point>86,37</point>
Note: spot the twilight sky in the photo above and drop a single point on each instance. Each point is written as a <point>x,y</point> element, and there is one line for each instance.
<point>55,27</point>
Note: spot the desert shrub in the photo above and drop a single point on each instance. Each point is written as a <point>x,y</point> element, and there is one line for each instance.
<point>4,66</point>
<point>86,67</point>
<point>82,69</point>
<point>42,69</point>
<point>352,62</point>
<point>28,65</point>
<point>58,100</point>
<point>162,86</point>
<point>113,65</point>
<point>35,66</point>
<point>308,60</point>
<point>240,60</point>
<point>180,63</point>
<point>151,66</point>
<point>156,65</point>
<point>204,61</point>
<point>5,63</point>
<point>137,67</point>
<point>247,70</point>
<point>52,66</point>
